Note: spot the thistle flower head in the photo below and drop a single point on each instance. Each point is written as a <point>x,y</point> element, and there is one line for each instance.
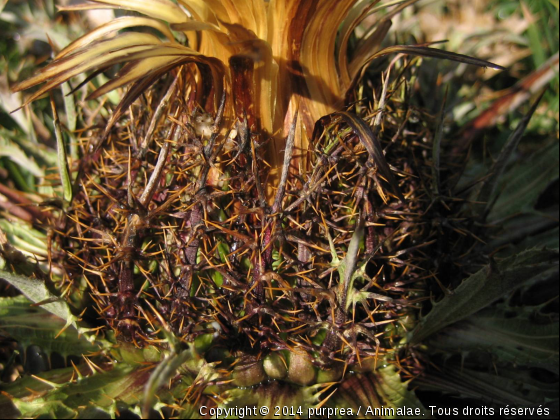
<point>247,219</point>
<point>270,57</point>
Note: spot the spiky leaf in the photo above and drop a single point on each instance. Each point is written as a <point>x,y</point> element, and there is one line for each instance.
<point>32,325</point>
<point>101,391</point>
<point>522,187</point>
<point>508,335</point>
<point>37,292</point>
<point>485,287</point>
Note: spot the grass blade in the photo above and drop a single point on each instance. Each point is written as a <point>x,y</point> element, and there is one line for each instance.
<point>436,53</point>
<point>62,158</point>
<point>423,51</point>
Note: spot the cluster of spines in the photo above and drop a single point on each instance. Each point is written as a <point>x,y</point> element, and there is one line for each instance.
<point>178,229</point>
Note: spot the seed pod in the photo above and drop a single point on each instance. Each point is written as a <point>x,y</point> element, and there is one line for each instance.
<point>301,370</point>
<point>275,366</point>
<point>203,342</point>
<point>330,375</point>
<point>366,365</point>
<point>218,354</point>
<point>248,372</point>
<point>130,354</point>
<point>151,354</point>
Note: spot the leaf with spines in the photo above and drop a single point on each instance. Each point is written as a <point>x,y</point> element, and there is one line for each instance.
<point>32,325</point>
<point>98,392</point>
<point>485,287</point>
<point>37,292</point>
<point>527,230</point>
<point>524,184</point>
<point>515,339</point>
<point>162,374</point>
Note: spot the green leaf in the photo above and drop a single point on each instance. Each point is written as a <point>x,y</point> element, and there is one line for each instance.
<point>36,155</point>
<point>69,106</point>
<point>62,158</point>
<point>74,399</point>
<point>518,339</point>
<point>36,291</point>
<point>12,151</point>
<point>347,268</point>
<point>23,237</point>
<point>550,239</point>
<point>161,375</point>
<point>484,287</point>
<point>523,185</point>
<point>526,231</point>
<point>32,325</point>
<point>71,117</point>
<point>22,387</point>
